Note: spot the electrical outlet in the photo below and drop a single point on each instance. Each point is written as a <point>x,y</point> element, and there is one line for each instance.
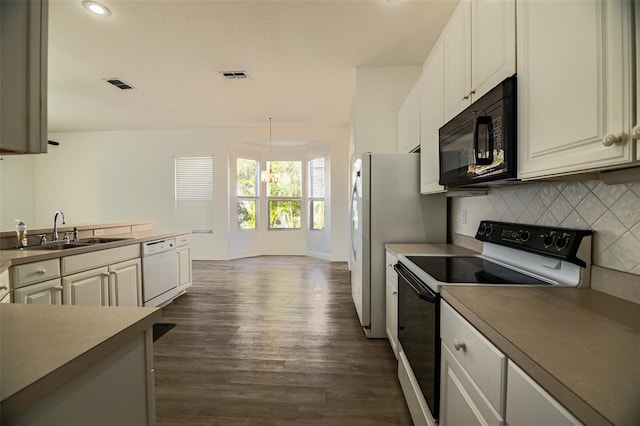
<point>463,216</point>
<point>98,232</point>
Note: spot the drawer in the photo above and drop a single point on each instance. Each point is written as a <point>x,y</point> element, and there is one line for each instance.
<point>96,259</point>
<point>4,286</point>
<point>389,262</point>
<point>484,363</point>
<point>183,240</point>
<point>35,272</point>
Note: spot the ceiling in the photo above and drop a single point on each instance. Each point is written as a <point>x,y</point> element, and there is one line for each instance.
<point>300,57</point>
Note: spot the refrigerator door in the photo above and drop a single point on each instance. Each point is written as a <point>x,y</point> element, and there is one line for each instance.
<point>356,242</point>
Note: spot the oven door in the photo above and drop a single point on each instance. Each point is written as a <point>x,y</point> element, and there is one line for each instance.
<point>419,333</point>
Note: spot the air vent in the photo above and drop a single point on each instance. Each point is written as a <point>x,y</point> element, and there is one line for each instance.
<point>120,84</point>
<point>233,75</point>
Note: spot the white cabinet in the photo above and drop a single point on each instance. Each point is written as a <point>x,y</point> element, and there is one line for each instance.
<point>529,404</point>
<point>472,376</point>
<point>391,323</point>
<point>5,294</point>
<point>47,293</point>
<point>479,51</point>
<point>114,285</point>
<point>431,119</point>
<point>183,252</point>
<point>37,282</point>
<point>23,76</point>
<point>574,86</point>
<point>87,288</point>
<point>409,121</point>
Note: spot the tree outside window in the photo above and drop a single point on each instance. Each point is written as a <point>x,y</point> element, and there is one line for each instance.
<point>316,193</point>
<point>284,196</point>
<point>247,192</point>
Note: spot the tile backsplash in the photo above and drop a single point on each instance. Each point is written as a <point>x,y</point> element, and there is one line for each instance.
<point>612,211</point>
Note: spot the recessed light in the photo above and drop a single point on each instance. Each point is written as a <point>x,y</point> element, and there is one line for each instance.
<point>97,8</point>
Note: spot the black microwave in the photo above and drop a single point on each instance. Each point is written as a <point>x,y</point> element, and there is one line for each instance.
<point>478,146</point>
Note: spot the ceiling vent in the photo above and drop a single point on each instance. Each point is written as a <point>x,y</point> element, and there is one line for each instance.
<point>233,75</point>
<point>119,84</point>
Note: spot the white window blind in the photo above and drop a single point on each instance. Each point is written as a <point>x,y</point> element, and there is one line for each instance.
<point>194,193</point>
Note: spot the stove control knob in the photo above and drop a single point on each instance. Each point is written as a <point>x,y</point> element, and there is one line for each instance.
<point>549,240</point>
<point>562,243</point>
<point>489,229</point>
<point>524,236</point>
<point>482,228</point>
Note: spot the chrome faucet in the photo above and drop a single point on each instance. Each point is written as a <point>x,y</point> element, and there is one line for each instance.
<point>55,224</point>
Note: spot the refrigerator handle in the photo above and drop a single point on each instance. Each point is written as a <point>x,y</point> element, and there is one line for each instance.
<point>354,194</point>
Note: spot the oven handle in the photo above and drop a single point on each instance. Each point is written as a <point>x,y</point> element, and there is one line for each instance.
<point>424,292</point>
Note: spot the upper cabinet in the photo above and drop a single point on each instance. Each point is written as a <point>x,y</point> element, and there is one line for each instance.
<point>23,77</point>
<point>431,119</point>
<point>479,45</point>
<point>409,121</point>
<point>575,82</point>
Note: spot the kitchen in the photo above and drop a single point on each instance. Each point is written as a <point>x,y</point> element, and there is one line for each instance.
<point>608,209</point>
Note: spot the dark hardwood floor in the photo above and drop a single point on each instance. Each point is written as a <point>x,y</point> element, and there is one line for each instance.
<point>273,341</point>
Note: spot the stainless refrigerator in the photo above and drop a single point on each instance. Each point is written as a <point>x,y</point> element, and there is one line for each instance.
<point>386,207</point>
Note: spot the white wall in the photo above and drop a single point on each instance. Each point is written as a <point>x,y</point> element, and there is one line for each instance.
<point>128,175</point>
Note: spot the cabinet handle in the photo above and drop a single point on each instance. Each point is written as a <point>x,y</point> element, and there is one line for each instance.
<point>473,92</point>
<point>105,274</point>
<point>42,271</point>
<point>394,293</point>
<point>459,344</point>
<point>635,132</point>
<point>466,97</point>
<point>58,287</point>
<point>609,139</point>
<point>4,287</point>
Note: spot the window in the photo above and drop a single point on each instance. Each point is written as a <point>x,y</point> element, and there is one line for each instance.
<point>284,196</point>
<point>316,193</point>
<point>247,192</point>
<point>194,193</point>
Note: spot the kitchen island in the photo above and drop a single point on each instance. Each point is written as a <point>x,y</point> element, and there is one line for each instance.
<point>76,365</point>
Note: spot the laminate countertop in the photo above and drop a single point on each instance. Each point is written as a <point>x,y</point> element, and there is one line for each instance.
<point>581,345</point>
<point>45,346</point>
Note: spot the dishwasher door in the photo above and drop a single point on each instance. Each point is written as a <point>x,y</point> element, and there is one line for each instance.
<point>159,272</point>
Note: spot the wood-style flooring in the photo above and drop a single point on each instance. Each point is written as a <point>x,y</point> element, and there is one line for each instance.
<point>273,341</point>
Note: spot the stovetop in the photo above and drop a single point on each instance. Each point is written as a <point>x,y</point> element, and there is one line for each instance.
<point>470,269</point>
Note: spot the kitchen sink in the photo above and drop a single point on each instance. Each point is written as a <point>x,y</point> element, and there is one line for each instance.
<point>63,245</point>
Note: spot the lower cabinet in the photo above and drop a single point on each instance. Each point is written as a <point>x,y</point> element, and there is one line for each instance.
<point>114,285</point>
<point>44,293</point>
<point>528,403</point>
<point>184,268</point>
<point>5,295</point>
<point>391,302</point>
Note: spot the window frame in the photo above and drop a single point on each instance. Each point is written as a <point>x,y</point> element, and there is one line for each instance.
<point>182,171</point>
<point>268,198</point>
<point>251,198</point>
<point>311,197</point>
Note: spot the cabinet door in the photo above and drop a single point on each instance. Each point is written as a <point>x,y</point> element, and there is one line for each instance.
<point>528,403</point>
<point>493,45</point>
<point>392,312</point>
<point>45,293</point>
<point>431,119</point>
<point>184,268</point>
<point>125,283</point>
<point>573,86</point>
<point>409,121</point>
<point>461,403</point>
<point>456,39</point>
<point>4,287</point>
<point>87,288</point>
<point>23,78</point>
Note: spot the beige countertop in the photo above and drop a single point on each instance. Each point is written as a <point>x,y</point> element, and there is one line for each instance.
<point>44,346</point>
<point>442,249</point>
<point>581,345</point>
<point>14,257</point>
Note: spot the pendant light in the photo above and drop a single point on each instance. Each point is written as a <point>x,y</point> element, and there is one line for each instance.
<point>267,175</point>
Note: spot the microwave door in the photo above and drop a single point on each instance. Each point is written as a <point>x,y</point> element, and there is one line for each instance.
<point>483,145</point>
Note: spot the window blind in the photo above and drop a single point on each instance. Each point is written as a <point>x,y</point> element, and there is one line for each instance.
<point>194,193</point>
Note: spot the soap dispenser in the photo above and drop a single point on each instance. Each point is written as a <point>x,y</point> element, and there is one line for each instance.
<point>21,233</point>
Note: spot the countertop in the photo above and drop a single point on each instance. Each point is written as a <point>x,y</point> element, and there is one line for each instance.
<point>581,345</point>
<point>442,249</point>
<point>14,257</point>
<point>44,346</point>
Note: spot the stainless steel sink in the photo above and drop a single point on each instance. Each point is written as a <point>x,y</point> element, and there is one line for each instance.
<point>62,245</point>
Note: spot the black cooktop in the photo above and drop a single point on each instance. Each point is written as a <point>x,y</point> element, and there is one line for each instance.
<point>468,269</point>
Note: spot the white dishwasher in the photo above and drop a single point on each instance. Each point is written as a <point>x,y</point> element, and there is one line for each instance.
<point>159,272</point>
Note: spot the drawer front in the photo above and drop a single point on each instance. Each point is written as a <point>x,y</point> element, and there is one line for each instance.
<point>484,363</point>
<point>96,259</point>
<point>183,240</point>
<point>389,262</point>
<point>4,286</point>
<point>35,272</point>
